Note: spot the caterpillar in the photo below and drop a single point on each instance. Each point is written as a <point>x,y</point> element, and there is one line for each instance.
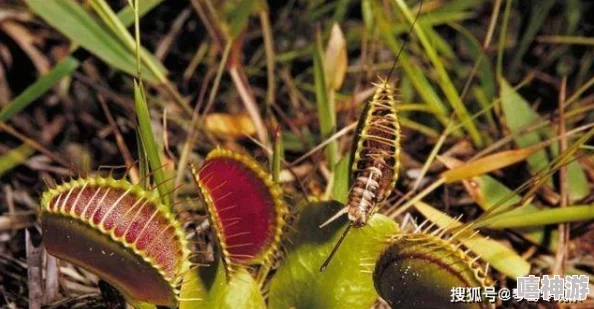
<point>375,157</point>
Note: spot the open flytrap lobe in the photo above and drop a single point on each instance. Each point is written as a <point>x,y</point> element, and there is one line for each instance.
<point>120,232</point>
<point>419,270</point>
<point>244,204</point>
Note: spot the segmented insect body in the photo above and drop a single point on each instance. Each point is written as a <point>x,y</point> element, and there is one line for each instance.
<point>375,160</point>
<point>375,156</point>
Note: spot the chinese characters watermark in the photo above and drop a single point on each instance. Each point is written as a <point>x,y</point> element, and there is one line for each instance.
<point>569,289</point>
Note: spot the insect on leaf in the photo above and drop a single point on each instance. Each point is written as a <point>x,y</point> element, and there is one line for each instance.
<point>347,281</point>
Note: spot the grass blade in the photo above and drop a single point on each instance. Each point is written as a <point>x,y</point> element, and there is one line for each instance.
<point>489,163</point>
<point>79,26</point>
<point>39,87</point>
<point>499,256</point>
<point>519,115</point>
<point>326,112</point>
<point>414,73</point>
<point>340,190</point>
<point>485,71</point>
<point>540,217</point>
<point>15,157</point>
<point>538,15</point>
<point>488,192</point>
<point>118,28</point>
<point>444,80</point>
<point>64,68</point>
<point>126,15</point>
<point>277,155</point>
<point>149,145</point>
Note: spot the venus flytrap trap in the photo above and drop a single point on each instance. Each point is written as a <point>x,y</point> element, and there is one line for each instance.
<point>420,269</point>
<point>119,231</point>
<point>128,235</point>
<point>244,205</point>
<point>247,216</point>
<point>498,255</point>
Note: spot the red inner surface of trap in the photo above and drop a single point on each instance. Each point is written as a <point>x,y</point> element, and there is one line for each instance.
<point>244,206</point>
<point>137,221</point>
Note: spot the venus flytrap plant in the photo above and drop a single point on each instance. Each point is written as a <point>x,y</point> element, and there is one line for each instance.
<point>119,231</point>
<point>247,215</point>
<point>419,270</point>
<point>497,254</point>
<point>244,205</point>
<point>347,281</point>
<point>128,237</point>
<point>122,232</point>
<point>115,228</point>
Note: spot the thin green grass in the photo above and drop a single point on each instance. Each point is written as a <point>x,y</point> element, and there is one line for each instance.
<point>326,110</point>
<point>78,25</point>
<point>64,68</point>
<point>151,152</point>
<point>454,116</point>
<point>15,157</point>
<point>443,78</point>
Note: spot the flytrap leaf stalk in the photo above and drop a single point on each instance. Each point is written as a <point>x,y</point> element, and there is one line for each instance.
<point>120,232</point>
